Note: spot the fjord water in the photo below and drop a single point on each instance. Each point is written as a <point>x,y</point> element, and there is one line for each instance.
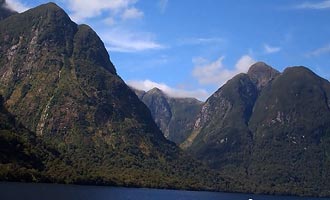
<point>27,191</point>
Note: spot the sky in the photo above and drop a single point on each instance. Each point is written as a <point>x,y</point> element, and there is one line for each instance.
<point>190,48</point>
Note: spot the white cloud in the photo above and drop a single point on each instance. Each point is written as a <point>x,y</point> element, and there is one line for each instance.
<point>16,5</point>
<point>84,9</point>
<point>132,13</point>
<point>117,34</point>
<point>314,5</point>
<point>109,21</point>
<point>147,85</point>
<point>201,41</point>
<point>162,5</point>
<point>121,40</point>
<point>209,73</point>
<point>319,51</point>
<point>244,63</point>
<point>215,73</point>
<point>271,49</point>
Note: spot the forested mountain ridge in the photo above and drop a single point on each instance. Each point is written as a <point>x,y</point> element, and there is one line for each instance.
<point>58,82</point>
<point>269,129</point>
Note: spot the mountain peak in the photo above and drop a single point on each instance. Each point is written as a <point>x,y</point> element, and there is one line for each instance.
<point>49,12</point>
<point>174,116</point>
<point>261,74</point>
<point>260,67</point>
<point>156,90</point>
<point>89,45</point>
<point>50,5</point>
<point>301,72</point>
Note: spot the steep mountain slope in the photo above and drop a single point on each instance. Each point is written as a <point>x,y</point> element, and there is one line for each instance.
<point>291,131</point>
<point>4,10</point>
<point>23,157</point>
<point>16,160</point>
<point>222,125</point>
<point>174,116</point>
<point>57,79</point>
<point>268,129</point>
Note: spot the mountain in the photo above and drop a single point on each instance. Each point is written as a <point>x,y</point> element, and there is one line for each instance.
<point>221,125</point>
<point>174,116</point>
<point>58,82</point>
<point>269,129</point>
<point>66,116</point>
<point>291,131</point>
<point>4,10</point>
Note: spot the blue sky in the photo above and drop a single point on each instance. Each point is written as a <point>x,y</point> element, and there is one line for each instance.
<point>192,47</point>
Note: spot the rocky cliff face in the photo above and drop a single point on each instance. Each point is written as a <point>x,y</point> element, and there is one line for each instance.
<point>269,129</point>
<point>222,124</point>
<point>159,107</point>
<point>56,78</point>
<point>231,106</point>
<point>262,74</point>
<point>174,116</point>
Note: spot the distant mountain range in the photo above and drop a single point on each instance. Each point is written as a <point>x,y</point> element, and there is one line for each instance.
<point>174,116</point>
<point>66,116</point>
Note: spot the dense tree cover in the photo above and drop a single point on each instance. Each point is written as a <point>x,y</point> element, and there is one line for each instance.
<point>25,157</point>
<point>270,130</point>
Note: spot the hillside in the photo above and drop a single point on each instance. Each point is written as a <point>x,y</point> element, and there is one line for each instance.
<point>23,157</point>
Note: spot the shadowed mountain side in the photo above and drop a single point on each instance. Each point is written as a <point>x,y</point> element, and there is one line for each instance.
<point>4,10</point>
<point>23,157</point>
<point>174,116</point>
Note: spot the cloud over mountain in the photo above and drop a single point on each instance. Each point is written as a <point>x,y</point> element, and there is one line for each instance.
<point>216,73</point>
<point>147,85</point>
<point>17,5</point>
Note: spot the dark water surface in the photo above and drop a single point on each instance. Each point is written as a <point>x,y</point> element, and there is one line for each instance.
<point>27,191</point>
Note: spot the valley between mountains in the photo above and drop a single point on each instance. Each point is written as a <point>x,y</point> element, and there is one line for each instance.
<point>66,116</point>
